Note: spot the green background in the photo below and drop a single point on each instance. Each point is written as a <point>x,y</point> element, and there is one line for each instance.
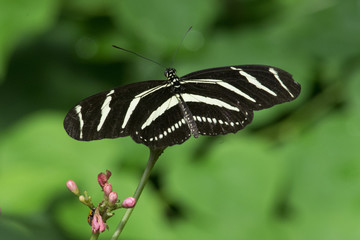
<point>292,174</point>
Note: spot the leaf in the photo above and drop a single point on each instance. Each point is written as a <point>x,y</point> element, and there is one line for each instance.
<point>234,182</point>
<point>325,179</point>
<point>21,20</point>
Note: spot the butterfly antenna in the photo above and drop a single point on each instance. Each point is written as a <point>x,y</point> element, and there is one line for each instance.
<point>139,55</point>
<point>182,40</point>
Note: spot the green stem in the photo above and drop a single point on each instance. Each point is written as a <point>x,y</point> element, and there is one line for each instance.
<point>94,236</point>
<point>154,155</point>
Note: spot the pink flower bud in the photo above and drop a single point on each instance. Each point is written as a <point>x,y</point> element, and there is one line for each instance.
<point>102,224</point>
<point>71,185</point>
<point>97,223</point>
<point>113,197</point>
<point>107,189</point>
<point>103,178</point>
<point>95,226</point>
<point>129,202</point>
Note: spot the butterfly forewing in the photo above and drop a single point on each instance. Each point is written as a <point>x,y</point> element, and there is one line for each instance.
<point>107,114</point>
<point>255,86</point>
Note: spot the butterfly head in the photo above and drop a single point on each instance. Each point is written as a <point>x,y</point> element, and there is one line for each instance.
<point>170,73</point>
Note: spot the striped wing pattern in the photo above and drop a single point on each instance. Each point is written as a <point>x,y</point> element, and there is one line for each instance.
<point>160,114</point>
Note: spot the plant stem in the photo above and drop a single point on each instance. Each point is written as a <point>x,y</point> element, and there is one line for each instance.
<point>154,155</point>
<point>94,236</point>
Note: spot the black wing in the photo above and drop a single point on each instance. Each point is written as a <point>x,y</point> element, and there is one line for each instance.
<point>222,100</point>
<point>146,111</point>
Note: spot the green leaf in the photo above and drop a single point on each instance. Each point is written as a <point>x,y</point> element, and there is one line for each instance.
<point>234,182</point>
<point>21,20</point>
<point>325,177</point>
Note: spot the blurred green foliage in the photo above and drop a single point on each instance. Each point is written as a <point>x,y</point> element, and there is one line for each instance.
<point>293,174</point>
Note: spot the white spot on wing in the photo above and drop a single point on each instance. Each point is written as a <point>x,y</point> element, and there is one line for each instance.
<point>276,75</point>
<point>81,121</point>
<point>105,109</point>
<point>254,81</point>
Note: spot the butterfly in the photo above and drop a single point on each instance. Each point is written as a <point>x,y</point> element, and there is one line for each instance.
<point>162,113</point>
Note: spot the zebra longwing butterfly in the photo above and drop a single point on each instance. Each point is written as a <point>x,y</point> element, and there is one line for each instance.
<point>162,113</point>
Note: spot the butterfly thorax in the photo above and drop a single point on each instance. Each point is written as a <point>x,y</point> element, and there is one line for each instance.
<point>173,79</point>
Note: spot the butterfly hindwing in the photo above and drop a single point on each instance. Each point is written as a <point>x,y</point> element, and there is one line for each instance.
<point>168,129</point>
<point>214,120</point>
<point>157,121</point>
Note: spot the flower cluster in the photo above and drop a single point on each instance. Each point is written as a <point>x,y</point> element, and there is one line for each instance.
<point>104,210</point>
